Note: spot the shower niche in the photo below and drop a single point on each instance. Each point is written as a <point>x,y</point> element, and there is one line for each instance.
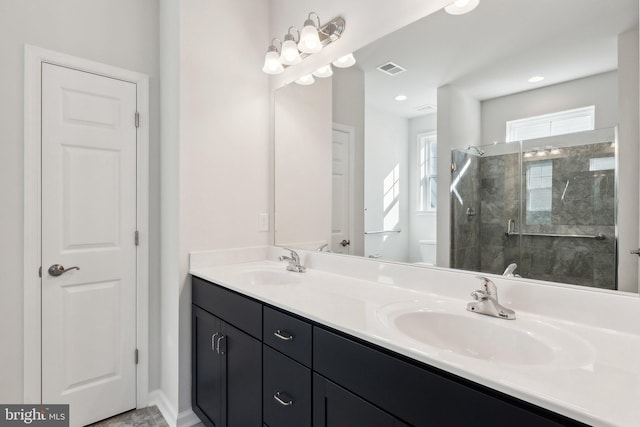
<point>546,204</point>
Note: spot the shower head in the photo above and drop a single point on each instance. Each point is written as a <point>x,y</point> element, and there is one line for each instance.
<point>478,150</point>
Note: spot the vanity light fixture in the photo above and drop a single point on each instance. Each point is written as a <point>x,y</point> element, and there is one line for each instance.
<point>345,61</point>
<point>272,64</point>
<point>290,54</point>
<point>313,37</point>
<point>460,7</point>
<point>306,80</point>
<point>324,71</point>
<point>400,98</point>
<point>309,38</point>
<point>535,79</point>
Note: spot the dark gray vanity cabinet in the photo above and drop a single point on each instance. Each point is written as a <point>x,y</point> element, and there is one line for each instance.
<point>226,361</point>
<point>255,365</point>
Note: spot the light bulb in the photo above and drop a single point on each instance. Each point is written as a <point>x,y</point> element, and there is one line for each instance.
<point>345,61</point>
<point>309,39</point>
<point>290,54</point>
<point>324,71</point>
<point>306,80</point>
<point>272,63</point>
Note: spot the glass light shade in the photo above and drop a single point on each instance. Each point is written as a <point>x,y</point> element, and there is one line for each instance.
<point>345,61</point>
<point>309,39</point>
<point>272,63</point>
<point>460,7</point>
<point>306,80</point>
<point>290,54</point>
<point>324,71</point>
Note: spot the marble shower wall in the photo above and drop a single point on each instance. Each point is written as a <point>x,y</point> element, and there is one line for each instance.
<point>582,203</point>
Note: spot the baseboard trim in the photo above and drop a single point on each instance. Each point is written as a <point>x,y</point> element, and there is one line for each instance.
<point>183,419</point>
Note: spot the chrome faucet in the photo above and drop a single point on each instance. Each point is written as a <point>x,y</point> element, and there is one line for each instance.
<point>509,271</point>
<point>294,262</point>
<point>486,301</point>
<point>322,248</point>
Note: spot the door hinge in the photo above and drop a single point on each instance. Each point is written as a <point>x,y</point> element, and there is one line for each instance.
<point>136,238</point>
<point>136,356</point>
<point>137,119</point>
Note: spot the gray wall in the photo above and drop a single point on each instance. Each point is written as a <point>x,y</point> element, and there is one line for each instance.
<point>121,33</point>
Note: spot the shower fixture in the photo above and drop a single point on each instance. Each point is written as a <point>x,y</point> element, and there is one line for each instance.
<point>478,150</point>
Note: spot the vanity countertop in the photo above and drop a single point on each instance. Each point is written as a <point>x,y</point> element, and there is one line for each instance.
<point>598,384</point>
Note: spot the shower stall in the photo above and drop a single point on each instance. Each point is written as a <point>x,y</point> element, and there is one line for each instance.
<point>547,205</point>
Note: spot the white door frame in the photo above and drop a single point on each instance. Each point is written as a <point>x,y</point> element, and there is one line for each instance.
<point>32,333</point>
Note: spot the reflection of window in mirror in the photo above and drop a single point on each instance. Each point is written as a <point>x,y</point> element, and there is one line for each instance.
<point>539,192</point>
<point>559,123</point>
<point>428,172</point>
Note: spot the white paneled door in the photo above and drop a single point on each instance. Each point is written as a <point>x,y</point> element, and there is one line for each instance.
<point>88,222</point>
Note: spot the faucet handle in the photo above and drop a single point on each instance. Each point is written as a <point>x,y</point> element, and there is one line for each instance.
<point>480,295</point>
<point>488,287</point>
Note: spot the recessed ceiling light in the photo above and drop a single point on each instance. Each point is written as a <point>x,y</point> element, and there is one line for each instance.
<point>460,7</point>
<point>535,79</point>
<point>400,97</point>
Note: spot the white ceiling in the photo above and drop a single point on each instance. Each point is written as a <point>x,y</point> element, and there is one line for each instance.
<point>493,50</point>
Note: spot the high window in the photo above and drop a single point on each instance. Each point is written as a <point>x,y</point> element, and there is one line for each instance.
<point>562,122</point>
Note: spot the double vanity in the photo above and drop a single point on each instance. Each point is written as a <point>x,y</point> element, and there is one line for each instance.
<point>352,342</point>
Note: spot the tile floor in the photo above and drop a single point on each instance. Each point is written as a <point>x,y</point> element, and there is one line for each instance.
<point>146,417</point>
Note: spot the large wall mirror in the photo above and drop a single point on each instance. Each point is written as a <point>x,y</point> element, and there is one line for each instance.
<point>503,141</point>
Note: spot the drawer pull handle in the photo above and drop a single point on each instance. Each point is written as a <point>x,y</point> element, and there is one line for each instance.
<point>283,335</point>
<point>278,399</point>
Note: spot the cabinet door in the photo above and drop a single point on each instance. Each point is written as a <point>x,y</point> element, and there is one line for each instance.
<point>227,373</point>
<point>243,367</point>
<point>207,370</point>
<point>334,406</point>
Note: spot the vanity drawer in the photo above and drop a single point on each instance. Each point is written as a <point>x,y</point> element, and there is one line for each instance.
<point>286,393</point>
<point>288,335</point>
<point>238,310</point>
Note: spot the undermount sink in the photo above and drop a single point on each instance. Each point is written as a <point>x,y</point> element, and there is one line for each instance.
<point>268,276</point>
<point>515,342</point>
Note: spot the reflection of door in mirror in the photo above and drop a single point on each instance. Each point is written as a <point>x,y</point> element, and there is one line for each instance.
<point>341,189</point>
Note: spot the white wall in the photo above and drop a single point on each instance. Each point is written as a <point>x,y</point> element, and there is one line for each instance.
<point>600,90</point>
<point>115,32</point>
<point>386,149</point>
<point>422,226</point>
<point>223,147</point>
<point>459,120</point>
<point>628,152</point>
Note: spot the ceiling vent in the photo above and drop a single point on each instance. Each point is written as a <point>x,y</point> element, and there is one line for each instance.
<point>391,69</point>
<point>427,108</point>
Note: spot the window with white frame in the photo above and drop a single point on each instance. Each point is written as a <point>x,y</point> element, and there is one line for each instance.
<point>562,122</point>
<point>427,172</point>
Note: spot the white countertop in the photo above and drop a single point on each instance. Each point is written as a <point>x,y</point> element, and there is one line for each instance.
<point>599,385</point>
